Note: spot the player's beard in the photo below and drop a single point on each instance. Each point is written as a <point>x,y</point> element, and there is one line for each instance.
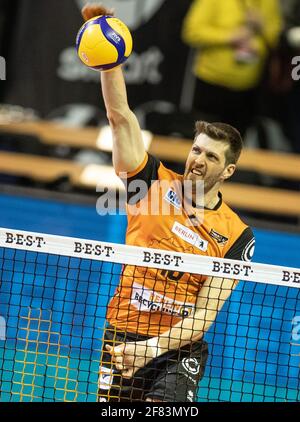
<point>211,182</point>
<point>207,183</point>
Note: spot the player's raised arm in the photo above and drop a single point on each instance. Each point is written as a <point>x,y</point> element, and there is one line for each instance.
<point>128,147</point>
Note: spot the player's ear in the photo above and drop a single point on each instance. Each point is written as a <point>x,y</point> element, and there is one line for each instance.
<point>228,172</point>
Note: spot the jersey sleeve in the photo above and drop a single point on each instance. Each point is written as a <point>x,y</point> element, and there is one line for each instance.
<point>139,182</point>
<point>243,248</point>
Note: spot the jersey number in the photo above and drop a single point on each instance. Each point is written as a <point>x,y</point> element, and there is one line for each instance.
<point>172,275</point>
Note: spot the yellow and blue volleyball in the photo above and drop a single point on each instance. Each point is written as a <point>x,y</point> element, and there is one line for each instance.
<point>103,43</point>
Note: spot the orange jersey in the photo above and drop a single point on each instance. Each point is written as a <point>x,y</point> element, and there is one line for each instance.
<point>149,301</point>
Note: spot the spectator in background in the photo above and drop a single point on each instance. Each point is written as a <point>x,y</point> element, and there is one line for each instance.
<point>292,35</point>
<point>284,92</point>
<point>233,39</point>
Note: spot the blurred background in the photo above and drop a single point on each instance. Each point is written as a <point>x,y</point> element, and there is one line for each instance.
<point>233,61</point>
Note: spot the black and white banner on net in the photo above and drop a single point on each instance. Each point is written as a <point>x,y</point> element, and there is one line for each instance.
<point>146,257</point>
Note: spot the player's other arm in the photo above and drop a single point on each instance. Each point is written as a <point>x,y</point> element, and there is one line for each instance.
<point>130,357</point>
<point>128,147</point>
<point>213,294</point>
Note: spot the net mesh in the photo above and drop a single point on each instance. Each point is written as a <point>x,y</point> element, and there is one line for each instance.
<point>54,297</point>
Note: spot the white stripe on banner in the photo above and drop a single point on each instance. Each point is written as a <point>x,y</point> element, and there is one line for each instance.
<point>146,257</point>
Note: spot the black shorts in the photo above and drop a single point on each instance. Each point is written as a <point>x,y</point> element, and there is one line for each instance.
<point>171,377</point>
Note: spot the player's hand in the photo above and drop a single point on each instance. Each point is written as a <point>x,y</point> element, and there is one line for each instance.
<point>90,11</point>
<point>128,358</point>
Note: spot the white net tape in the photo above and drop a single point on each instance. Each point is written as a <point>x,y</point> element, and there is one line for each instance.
<point>146,257</point>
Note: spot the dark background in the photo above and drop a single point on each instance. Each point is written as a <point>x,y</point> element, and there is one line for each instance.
<point>37,38</point>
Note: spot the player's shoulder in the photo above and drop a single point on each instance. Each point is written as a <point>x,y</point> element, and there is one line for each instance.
<point>242,248</point>
<point>152,165</point>
<point>166,173</point>
<point>232,216</point>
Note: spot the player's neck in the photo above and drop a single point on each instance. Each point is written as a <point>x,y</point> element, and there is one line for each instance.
<point>211,198</point>
<point>211,203</point>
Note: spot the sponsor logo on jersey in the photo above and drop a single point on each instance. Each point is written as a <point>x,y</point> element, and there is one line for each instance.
<point>190,236</point>
<point>105,378</point>
<point>218,237</point>
<point>172,198</point>
<point>191,365</point>
<point>146,300</point>
<point>248,252</point>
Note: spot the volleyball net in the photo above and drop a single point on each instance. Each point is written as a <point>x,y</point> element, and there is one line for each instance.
<point>54,296</point>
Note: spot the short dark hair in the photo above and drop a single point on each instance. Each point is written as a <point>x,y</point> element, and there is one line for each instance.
<point>223,132</point>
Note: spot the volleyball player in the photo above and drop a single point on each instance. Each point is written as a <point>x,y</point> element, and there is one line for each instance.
<point>153,346</point>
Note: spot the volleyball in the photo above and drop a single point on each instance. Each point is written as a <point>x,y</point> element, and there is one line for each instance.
<point>103,43</point>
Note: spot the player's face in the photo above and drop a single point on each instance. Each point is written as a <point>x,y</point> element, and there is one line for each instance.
<point>207,162</point>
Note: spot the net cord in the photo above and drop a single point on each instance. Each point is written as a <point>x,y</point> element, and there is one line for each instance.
<point>147,257</point>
